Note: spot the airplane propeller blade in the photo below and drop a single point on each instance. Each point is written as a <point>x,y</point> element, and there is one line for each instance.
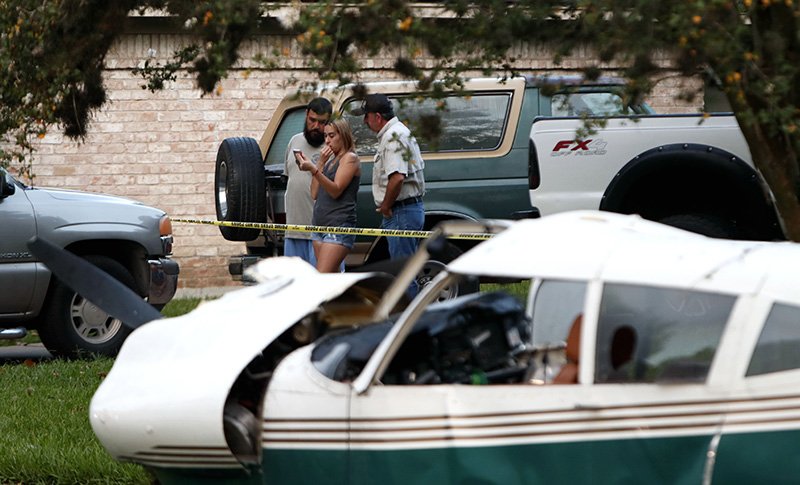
<point>94,284</point>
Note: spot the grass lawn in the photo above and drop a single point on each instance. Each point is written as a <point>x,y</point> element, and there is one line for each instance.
<point>45,436</point>
<point>44,427</point>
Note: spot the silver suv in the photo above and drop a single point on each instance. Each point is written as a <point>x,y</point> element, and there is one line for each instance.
<point>129,240</point>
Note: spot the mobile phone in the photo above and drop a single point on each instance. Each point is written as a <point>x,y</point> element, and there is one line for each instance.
<point>297,152</point>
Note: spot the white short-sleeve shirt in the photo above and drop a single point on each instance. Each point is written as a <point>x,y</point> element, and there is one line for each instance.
<point>299,205</point>
<point>398,151</point>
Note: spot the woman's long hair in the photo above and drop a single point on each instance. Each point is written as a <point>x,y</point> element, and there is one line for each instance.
<point>342,127</point>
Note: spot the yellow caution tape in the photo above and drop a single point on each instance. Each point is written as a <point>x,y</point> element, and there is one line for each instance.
<point>358,231</point>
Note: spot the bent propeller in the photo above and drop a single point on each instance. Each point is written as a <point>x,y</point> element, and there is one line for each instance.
<point>94,284</point>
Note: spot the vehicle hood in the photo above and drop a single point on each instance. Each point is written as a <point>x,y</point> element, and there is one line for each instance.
<point>67,215</point>
<point>39,193</point>
<point>171,378</point>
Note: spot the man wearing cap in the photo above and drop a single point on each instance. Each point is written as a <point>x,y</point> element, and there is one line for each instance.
<point>299,204</point>
<point>398,183</point>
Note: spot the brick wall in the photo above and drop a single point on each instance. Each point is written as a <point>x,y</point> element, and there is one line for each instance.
<point>160,147</point>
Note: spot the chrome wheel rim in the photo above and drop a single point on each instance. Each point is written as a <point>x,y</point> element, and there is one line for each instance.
<point>428,273</point>
<point>92,324</point>
<point>222,193</point>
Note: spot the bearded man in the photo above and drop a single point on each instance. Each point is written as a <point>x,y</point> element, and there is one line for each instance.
<point>299,205</point>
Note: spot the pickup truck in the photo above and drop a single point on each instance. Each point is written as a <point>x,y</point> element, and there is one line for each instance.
<point>690,171</point>
<point>477,170</point>
<point>129,240</point>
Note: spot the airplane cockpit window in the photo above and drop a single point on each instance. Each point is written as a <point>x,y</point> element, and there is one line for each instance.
<point>556,305</point>
<point>480,338</point>
<point>648,334</point>
<point>557,310</point>
<point>776,349</point>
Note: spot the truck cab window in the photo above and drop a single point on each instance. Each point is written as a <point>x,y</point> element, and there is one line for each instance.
<point>589,104</point>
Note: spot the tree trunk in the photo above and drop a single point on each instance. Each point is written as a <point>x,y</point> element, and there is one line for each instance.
<point>777,162</point>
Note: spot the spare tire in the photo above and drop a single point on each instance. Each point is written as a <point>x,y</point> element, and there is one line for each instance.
<point>240,191</point>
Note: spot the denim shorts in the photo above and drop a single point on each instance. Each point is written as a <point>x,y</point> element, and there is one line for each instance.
<point>346,240</point>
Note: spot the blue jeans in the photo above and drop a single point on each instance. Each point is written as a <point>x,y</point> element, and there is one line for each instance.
<point>302,248</point>
<point>406,218</point>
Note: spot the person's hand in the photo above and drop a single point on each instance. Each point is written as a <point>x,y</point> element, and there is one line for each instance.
<point>325,154</point>
<point>305,164</point>
<point>387,212</point>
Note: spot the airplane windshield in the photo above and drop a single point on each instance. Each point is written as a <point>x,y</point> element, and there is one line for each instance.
<point>470,339</point>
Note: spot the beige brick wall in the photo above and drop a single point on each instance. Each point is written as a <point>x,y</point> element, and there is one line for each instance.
<point>160,147</point>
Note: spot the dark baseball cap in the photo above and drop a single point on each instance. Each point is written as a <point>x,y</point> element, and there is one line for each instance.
<point>375,103</point>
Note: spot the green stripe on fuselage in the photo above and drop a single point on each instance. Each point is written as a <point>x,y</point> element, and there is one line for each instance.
<point>741,458</point>
<point>620,461</point>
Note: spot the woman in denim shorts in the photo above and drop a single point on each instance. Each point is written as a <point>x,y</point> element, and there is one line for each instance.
<point>334,188</point>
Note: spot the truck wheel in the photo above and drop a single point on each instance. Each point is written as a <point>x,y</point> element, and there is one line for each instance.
<point>240,192</point>
<point>73,326</point>
<point>705,224</point>
<point>436,266</point>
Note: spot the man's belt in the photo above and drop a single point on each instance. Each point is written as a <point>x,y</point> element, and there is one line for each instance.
<point>408,201</point>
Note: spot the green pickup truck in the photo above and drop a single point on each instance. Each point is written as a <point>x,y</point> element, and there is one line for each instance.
<point>478,168</point>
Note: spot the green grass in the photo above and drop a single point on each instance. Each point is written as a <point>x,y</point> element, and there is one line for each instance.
<point>179,307</point>
<point>519,290</point>
<point>44,427</point>
<point>45,435</point>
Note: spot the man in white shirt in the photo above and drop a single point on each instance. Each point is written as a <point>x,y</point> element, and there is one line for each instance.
<point>398,183</point>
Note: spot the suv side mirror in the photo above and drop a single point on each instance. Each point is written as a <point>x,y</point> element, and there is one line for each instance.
<point>7,186</point>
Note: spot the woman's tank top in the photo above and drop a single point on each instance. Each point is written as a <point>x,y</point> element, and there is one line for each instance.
<point>336,212</point>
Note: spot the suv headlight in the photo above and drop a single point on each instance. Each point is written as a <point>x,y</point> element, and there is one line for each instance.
<point>165,229</point>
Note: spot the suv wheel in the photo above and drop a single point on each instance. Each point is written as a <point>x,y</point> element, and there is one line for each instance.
<point>437,265</point>
<point>240,190</point>
<point>73,326</point>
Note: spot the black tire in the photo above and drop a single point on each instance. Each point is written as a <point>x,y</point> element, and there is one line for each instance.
<point>705,224</point>
<point>240,191</point>
<point>73,327</point>
<point>436,265</point>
